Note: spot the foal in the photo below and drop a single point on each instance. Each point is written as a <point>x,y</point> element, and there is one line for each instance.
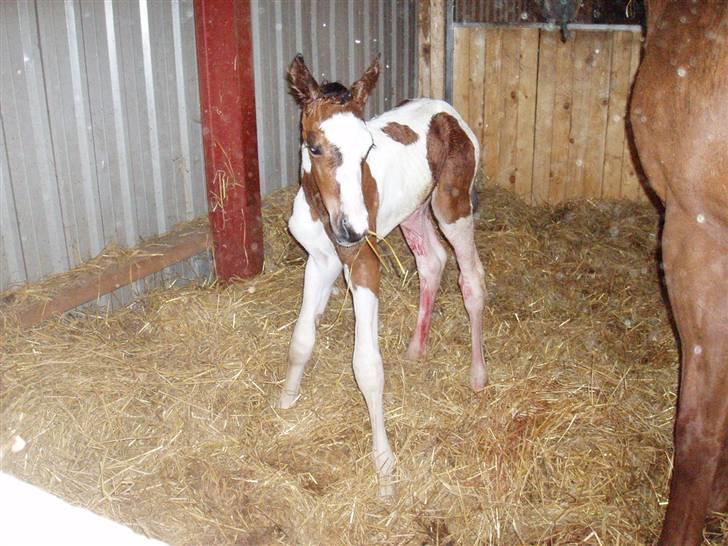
<point>362,176</point>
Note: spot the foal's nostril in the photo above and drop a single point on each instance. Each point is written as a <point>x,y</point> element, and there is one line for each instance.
<point>347,234</point>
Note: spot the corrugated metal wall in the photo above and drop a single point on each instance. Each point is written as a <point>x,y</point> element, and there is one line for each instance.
<point>338,40</point>
<point>100,138</point>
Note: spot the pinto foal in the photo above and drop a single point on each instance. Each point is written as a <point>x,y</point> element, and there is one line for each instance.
<point>362,176</point>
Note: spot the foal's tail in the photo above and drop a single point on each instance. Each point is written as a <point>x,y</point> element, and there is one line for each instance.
<point>474,200</point>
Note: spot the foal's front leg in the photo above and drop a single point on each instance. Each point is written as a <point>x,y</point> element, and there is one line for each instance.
<point>322,268</point>
<point>363,279</point>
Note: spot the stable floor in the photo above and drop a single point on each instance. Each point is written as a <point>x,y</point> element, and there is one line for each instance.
<point>161,415</point>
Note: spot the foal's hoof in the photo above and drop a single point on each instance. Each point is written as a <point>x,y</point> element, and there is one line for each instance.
<point>414,353</point>
<point>288,400</point>
<point>478,379</point>
<point>386,492</point>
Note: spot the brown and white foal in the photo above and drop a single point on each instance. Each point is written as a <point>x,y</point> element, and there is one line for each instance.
<point>362,176</point>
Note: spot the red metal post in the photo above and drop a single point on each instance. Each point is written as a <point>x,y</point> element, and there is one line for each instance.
<point>227,98</point>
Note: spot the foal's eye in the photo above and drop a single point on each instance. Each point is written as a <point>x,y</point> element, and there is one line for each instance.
<point>315,150</point>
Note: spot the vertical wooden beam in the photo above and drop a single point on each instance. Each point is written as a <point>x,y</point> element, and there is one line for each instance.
<point>437,52</point>
<point>492,107</point>
<point>461,69</point>
<point>431,31</point>
<point>424,48</point>
<point>475,78</point>
<point>527,86</point>
<point>510,50</point>
<point>597,110</point>
<point>227,99</point>
<point>563,70</point>
<point>542,173</point>
<point>620,85</point>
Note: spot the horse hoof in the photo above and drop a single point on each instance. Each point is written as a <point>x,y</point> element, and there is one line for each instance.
<point>287,400</point>
<point>414,353</point>
<point>478,380</point>
<point>386,492</point>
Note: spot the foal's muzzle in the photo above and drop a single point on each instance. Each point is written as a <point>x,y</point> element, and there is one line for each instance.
<point>345,235</point>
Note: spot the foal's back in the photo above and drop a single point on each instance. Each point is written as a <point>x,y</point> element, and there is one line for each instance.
<point>417,145</point>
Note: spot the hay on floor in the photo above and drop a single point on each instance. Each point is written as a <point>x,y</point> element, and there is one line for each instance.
<point>160,415</point>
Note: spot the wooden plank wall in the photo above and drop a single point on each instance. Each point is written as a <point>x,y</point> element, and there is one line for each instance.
<point>431,31</point>
<point>550,116</point>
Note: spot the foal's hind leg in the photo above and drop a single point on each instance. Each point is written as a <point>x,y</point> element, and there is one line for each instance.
<point>430,257</point>
<point>459,232</point>
<point>322,268</point>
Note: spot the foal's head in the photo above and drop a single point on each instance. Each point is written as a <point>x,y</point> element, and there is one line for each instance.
<point>336,142</point>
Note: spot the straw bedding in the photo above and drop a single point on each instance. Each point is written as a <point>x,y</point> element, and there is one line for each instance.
<point>160,415</point>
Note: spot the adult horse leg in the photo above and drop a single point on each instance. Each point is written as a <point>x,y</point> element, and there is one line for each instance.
<point>430,256</point>
<point>696,273</point>
<point>719,497</point>
<point>322,268</point>
<point>363,278</point>
<point>459,232</point>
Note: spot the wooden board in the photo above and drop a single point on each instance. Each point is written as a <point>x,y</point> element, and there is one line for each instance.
<point>476,77</point>
<point>526,97</point>
<point>492,111</point>
<point>561,122</point>
<point>549,115</point>
<point>542,174</point>
<point>619,87</point>
<point>424,48</point>
<point>506,173</point>
<point>88,284</point>
<point>597,108</point>
<point>437,51</point>
<point>461,71</point>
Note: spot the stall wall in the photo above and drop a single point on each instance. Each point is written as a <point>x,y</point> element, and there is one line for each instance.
<point>550,115</point>
<point>338,39</point>
<point>100,135</point>
<point>100,138</point>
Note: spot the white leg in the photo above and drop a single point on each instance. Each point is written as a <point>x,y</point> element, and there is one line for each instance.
<point>472,285</point>
<point>430,257</point>
<point>369,373</point>
<point>322,268</point>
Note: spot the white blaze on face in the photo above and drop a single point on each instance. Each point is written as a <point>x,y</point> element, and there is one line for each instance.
<point>305,160</point>
<point>350,135</point>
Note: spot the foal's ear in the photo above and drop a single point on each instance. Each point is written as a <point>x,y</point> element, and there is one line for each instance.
<point>361,88</point>
<point>301,83</point>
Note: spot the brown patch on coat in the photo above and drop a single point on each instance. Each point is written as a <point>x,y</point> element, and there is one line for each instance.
<point>451,157</point>
<point>364,269</point>
<point>362,261</point>
<point>313,198</point>
<point>404,134</point>
<point>403,102</point>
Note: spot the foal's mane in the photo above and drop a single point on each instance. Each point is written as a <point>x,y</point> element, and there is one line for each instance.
<point>335,92</point>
